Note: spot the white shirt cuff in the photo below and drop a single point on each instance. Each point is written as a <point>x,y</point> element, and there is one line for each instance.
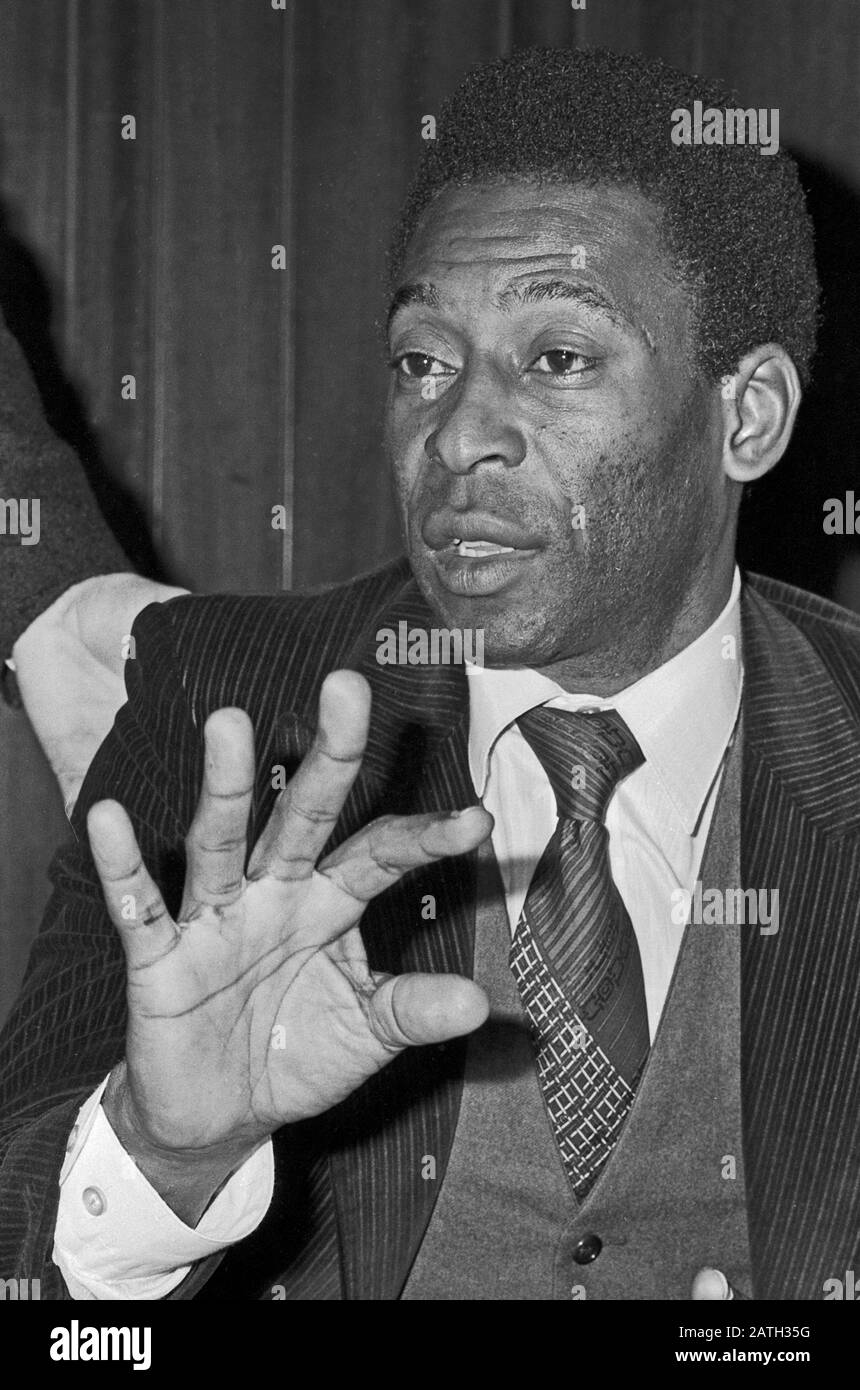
<point>116,1238</point>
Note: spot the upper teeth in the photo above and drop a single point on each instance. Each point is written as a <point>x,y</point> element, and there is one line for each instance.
<point>475,548</point>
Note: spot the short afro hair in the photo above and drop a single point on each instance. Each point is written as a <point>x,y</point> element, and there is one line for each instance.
<point>735,223</point>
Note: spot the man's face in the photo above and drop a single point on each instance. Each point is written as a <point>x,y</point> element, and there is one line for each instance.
<point>543,413</point>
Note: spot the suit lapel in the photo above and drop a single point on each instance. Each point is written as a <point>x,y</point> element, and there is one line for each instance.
<point>391,1140</point>
<point>800,818</point>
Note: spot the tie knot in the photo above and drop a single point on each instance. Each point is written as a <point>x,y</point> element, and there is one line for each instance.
<point>584,756</point>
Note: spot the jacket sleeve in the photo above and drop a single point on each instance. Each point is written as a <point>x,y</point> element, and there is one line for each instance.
<point>67,1028</point>
<point>74,542</point>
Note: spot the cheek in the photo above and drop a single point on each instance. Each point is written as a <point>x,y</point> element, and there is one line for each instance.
<point>633,478</point>
<point>594,470</point>
<point>405,454</point>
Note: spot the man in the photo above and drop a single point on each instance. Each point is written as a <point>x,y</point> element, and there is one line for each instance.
<point>257,1015</point>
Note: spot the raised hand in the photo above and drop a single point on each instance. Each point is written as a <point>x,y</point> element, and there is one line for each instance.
<point>256,1007</point>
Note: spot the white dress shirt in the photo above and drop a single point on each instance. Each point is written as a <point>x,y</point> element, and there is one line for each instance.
<point>682,716</point>
<point>116,1238</point>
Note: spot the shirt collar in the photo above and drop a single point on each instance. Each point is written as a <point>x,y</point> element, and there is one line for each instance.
<point>682,714</point>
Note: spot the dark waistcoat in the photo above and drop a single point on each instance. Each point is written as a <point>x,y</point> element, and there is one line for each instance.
<point>670,1201</point>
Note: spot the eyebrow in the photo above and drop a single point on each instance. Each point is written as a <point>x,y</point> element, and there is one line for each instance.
<point>537,291</point>
<point>418,293</point>
<point>534,292</point>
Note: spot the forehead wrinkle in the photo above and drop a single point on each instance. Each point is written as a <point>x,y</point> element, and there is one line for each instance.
<point>466,240</point>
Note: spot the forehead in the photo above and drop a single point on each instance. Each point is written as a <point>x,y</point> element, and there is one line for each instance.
<point>483,237</point>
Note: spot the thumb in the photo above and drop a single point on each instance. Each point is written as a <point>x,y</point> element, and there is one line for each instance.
<point>411,1010</point>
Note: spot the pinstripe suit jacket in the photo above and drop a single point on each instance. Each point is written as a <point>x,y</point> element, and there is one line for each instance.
<point>350,1209</point>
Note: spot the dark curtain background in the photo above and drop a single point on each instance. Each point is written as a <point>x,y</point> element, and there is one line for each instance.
<point>297,127</point>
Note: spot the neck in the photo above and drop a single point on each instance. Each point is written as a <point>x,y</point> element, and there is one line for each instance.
<point>615,668</point>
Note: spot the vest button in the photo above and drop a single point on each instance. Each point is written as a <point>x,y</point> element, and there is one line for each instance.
<point>587,1249</point>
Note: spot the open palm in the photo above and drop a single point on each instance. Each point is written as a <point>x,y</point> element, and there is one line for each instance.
<point>256,1007</point>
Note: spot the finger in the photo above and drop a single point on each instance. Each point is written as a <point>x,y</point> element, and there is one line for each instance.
<point>711,1286</point>
<point>134,903</point>
<point>380,854</point>
<point>413,1010</point>
<point>306,811</point>
<point>216,846</point>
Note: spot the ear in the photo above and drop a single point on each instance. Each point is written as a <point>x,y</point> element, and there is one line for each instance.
<point>759,405</point>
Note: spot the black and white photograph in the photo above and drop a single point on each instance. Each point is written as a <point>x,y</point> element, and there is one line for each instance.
<point>430,667</point>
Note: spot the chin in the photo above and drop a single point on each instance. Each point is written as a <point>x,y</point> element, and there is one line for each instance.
<point>509,642</point>
<point>517,628</point>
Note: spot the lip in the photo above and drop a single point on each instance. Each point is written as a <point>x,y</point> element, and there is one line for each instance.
<point>478,575</point>
<point>441,528</point>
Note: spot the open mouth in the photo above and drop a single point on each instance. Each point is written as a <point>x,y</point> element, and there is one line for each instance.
<point>490,556</point>
<point>475,553</point>
<point>478,550</point>
<point>474,534</point>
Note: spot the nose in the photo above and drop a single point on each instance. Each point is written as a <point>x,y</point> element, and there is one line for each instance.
<point>478,424</point>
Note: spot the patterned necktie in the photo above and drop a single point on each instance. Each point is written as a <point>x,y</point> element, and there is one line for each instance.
<point>574,955</point>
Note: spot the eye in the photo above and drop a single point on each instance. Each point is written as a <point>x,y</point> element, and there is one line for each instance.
<point>563,362</point>
<point>419,365</point>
